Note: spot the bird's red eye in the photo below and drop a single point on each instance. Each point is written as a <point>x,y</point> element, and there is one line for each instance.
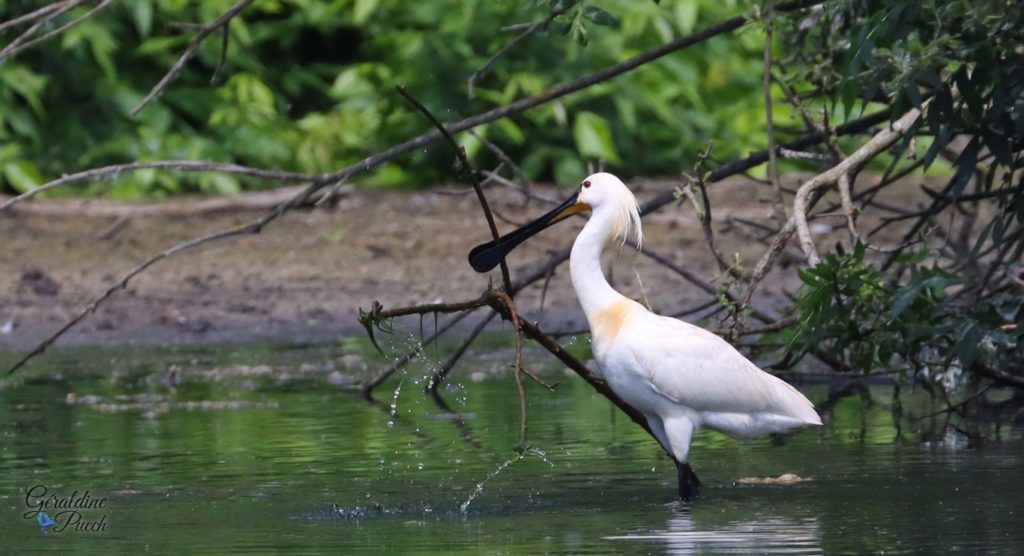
<point>586,183</point>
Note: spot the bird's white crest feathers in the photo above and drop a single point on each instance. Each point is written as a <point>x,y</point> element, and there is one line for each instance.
<point>627,219</point>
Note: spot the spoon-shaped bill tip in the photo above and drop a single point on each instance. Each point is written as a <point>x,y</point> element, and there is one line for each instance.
<point>486,256</point>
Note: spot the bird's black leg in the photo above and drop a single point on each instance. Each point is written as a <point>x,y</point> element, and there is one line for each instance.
<point>689,484</point>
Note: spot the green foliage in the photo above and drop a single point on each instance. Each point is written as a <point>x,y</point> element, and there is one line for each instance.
<point>966,54</point>
<point>308,85</point>
<point>847,307</point>
<point>966,57</point>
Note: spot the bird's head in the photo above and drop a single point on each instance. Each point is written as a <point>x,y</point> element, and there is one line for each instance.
<point>605,192</point>
<point>602,193</point>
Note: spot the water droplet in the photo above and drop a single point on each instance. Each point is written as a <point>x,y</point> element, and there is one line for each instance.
<point>420,466</point>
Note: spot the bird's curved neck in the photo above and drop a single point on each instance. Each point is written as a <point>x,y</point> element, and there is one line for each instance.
<point>592,288</point>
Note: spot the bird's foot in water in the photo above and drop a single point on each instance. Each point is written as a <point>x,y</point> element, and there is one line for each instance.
<point>689,484</point>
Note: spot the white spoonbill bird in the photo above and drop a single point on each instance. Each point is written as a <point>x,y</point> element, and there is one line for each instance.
<point>679,376</point>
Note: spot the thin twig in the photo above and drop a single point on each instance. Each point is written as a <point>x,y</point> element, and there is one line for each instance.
<point>368,387</point>
<point>704,213</point>
<point>811,156</point>
<point>224,43</point>
<point>123,282</point>
<point>503,157</point>
<point>10,52</point>
<point>528,193</point>
<point>16,44</point>
<point>773,164</point>
<point>530,29</point>
<point>442,372</point>
<point>770,327</point>
<point>517,368</point>
<point>468,168</point>
<point>956,407</point>
<point>190,51</point>
<point>41,12</point>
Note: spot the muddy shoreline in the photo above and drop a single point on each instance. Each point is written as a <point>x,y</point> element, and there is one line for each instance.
<point>304,278</point>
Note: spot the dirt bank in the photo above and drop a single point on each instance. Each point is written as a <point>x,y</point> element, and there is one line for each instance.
<point>306,275</point>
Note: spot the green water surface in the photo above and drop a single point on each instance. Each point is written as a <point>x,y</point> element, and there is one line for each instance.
<point>264,449</point>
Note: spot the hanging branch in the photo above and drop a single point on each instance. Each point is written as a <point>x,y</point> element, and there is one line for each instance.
<point>439,375</point>
<point>517,368</point>
<point>466,167</point>
<point>193,47</point>
<point>367,389</point>
<point>530,29</point>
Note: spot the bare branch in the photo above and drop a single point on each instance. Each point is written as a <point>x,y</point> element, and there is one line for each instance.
<point>13,50</point>
<point>378,313</point>
<point>190,51</point>
<point>869,150</point>
<point>367,389</point>
<point>178,165</point>
<point>21,39</point>
<point>530,29</point>
<point>41,12</point>
<point>123,282</point>
<point>522,189</point>
<point>442,372</point>
<point>501,154</point>
<point>468,168</point>
<point>803,155</point>
<point>225,41</point>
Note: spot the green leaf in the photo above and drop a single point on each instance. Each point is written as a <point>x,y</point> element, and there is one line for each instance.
<point>363,9</point>
<point>593,137</point>
<point>599,16</point>
<point>511,130</point>
<point>22,175</point>
<point>686,16</point>
<point>142,15</point>
<point>905,296</point>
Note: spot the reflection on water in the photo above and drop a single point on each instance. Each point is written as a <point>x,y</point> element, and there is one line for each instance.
<point>263,450</point>
<point>773,534</point>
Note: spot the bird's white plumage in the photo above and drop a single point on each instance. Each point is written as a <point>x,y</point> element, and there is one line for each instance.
<point>681,377</point>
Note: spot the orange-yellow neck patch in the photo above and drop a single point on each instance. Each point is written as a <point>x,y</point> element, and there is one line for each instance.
<point>610,321</point>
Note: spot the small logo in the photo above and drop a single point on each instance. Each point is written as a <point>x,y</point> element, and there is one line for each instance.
<point>80,512</point>
<point>45,522</point>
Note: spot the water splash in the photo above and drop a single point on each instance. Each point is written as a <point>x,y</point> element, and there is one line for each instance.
<point>539,454</point>
<point>480,486</point>
<point>394,403</point>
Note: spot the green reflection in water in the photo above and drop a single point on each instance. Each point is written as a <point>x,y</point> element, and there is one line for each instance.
<point>263,449</point>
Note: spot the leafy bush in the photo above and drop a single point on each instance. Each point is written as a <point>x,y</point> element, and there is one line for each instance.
<point>309,85</point>
<point>848,307</point>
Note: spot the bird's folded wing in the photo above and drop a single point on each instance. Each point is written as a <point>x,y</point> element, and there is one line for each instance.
<point>700,370</point>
